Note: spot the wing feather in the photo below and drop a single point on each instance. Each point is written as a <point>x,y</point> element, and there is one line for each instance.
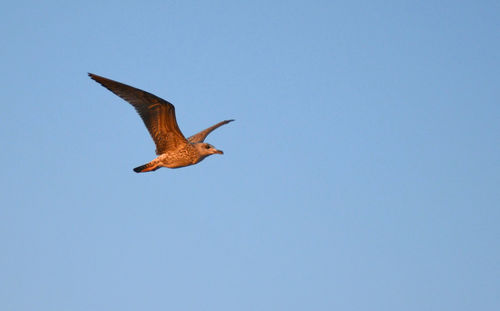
<point>200,137</point>
<point>157,114</point>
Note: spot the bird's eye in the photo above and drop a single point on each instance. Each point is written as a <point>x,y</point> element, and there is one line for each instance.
<point>207,146</point>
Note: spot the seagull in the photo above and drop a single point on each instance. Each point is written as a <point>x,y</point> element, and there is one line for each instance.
<point>172,148</point>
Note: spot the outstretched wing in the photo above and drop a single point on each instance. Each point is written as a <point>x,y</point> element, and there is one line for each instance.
<point>158,114</point>
<point>198,138</point>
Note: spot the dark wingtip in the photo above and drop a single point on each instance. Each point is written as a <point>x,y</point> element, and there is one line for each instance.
<point>93,76</point>
<point>227,121</point>
<point>98,78</point>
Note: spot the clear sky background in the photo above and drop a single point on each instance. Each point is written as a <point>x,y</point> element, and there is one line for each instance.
<point>361,173</point>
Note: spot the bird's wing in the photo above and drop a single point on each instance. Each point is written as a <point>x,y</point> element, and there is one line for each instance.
<point>158,114</point>
<point>198,138</point>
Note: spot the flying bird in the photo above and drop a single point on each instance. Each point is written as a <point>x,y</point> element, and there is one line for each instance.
<point>172,148</point>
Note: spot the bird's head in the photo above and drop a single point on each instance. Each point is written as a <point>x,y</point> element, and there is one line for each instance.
<point>207,149</point>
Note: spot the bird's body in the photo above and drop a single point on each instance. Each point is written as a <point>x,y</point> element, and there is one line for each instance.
<point>172,148</point>
<point>180,158</point>
<point>185,156</point>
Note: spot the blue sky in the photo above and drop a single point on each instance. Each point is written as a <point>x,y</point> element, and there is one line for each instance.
<point>361,173</point>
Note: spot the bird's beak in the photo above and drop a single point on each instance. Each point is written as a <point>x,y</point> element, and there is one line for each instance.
<point>219,152</point>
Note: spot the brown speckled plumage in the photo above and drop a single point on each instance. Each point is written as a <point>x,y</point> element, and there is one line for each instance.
<point>172,148</point>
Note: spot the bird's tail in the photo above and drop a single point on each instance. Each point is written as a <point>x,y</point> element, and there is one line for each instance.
<point>146,168</point>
